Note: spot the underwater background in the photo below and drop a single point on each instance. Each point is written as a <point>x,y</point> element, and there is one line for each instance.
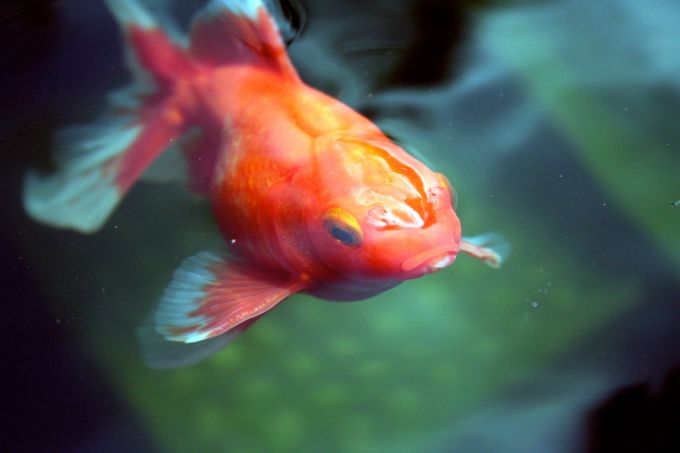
<point>558,123</point>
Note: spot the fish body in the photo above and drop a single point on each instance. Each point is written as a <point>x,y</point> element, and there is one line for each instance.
<point>310,195</point>
<point>318,162</point>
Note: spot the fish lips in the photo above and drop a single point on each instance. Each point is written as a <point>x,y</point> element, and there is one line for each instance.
<point>430,260</point>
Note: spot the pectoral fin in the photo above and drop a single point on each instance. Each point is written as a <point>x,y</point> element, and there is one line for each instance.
<point>213,298</point>
<point>160,353</point>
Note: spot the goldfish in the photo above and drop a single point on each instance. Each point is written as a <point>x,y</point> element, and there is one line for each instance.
<point>310,196</point>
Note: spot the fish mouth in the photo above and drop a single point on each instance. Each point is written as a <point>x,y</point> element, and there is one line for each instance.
<point>431,260</point>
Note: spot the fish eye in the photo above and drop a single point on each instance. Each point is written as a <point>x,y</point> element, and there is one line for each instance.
<point>343,227</point>
<point>444,181</point>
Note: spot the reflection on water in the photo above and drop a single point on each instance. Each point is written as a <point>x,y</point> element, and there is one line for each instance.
<point>555,121</point>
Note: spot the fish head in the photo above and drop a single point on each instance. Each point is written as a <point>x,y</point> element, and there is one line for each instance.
<point>387,217</point>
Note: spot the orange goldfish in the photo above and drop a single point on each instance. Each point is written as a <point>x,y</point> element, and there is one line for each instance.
<point>310,195</point>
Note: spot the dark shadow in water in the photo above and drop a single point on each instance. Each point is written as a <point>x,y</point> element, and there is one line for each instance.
<point>638,418</point>
<point>642,417</point>
<point>37,11</point>
<point>54,398</point>
<point>441,27</point>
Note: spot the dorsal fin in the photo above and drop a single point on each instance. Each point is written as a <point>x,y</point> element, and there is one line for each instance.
<point>239,32</point>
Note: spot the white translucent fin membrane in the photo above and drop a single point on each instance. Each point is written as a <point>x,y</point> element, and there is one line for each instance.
<point>245,7</point>
<point>82,193</point>
<point>130,12</point>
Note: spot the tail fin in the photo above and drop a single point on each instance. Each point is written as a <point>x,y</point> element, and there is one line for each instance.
<point>97,164</point>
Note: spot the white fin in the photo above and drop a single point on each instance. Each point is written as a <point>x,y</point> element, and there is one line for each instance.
<point>159,353</point>
<point>82,193</point>
<point>185,295</point>
<point>97,164</point>
<point>244,7</point>
<point>130,12</point>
